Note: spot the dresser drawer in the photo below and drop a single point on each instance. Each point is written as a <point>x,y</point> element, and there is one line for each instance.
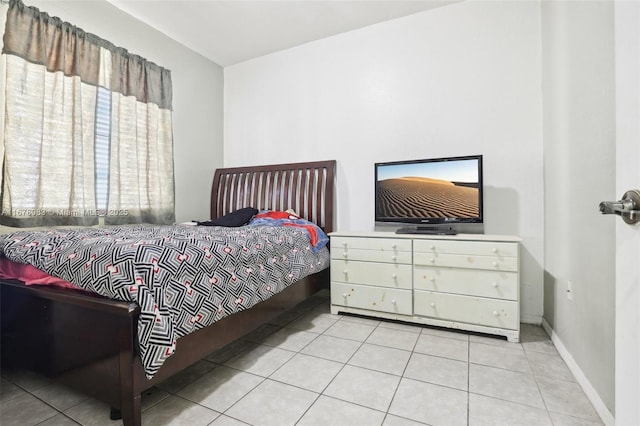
<point>387,256</point>
<point>479,248</point>
<point>494,284</point>
<point>376,244</point>
<point>468,309</point>
<point>372,298</point>
<point>374,274</point>
<point>466,261</point>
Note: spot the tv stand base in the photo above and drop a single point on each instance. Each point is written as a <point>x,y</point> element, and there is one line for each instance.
<point>425,230</point>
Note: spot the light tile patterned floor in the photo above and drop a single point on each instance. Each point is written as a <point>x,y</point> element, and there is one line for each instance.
<point>309,367</point>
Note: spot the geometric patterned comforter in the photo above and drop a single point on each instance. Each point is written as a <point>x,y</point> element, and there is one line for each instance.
<point>183,277</point>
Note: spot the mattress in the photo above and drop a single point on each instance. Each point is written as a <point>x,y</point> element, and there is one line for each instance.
<point>183,277</point>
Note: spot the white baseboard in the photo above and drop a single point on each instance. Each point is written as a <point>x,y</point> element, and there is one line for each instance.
<point>588,389</point>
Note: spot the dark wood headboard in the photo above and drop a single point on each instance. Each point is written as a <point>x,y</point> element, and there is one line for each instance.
<point>306,188</point>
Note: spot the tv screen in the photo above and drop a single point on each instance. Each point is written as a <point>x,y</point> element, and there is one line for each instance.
<point>429,191</point>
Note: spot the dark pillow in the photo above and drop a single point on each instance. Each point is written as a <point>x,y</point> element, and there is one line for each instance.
<point>237,218</point>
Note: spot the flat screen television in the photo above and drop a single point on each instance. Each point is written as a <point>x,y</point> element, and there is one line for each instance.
<point>426,195</point>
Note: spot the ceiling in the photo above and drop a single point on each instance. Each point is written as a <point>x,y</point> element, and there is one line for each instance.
<point>232,31</point>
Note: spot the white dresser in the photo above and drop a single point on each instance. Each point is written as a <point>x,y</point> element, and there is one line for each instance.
<point>464,281</point>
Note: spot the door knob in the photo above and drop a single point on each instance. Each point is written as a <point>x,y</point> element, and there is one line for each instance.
<point>628,207</point>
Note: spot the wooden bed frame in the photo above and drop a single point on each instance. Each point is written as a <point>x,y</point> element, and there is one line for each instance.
<point>88,342</point>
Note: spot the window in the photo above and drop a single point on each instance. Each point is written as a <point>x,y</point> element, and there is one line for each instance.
<point>87,129</point>
<point>101,154</point>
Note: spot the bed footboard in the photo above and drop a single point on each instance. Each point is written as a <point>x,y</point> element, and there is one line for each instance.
<point>77,338</point>
<point>87,342</point>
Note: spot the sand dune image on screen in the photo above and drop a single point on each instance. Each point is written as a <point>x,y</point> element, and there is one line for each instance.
<point>420,197</point>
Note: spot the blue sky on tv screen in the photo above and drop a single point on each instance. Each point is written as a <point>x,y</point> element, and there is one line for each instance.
<point>454,171</point>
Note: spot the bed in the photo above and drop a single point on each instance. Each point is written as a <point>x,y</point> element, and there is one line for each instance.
<point>89,342</point>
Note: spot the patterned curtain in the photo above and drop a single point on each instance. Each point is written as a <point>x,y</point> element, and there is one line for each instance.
<point>87,129</point>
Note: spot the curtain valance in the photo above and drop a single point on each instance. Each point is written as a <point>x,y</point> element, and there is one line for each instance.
<point>59,46</point>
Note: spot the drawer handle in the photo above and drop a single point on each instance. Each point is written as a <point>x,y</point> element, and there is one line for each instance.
<point>344,245</point>
<point>432,279</point>
<point>345,255</point>
<point>496,313</point>
<point>495,285</point>
<point>344,295</point>
<point>432,260</point>
<point>496,264</point>
<point>433,304</point>
<point>393,246</point>
<point>495,250</point>
<point>346,272</point>
<point>394,257</point>
<point>394,276</point>
<point>393,301</point>
<point>433,248</point>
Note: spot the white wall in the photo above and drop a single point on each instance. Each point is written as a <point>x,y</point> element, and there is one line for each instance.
<point>458,80</point>
<point>197,94</point>
<point>579,163</point>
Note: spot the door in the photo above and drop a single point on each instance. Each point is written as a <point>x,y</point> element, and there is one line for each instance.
<point>627,50</point>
